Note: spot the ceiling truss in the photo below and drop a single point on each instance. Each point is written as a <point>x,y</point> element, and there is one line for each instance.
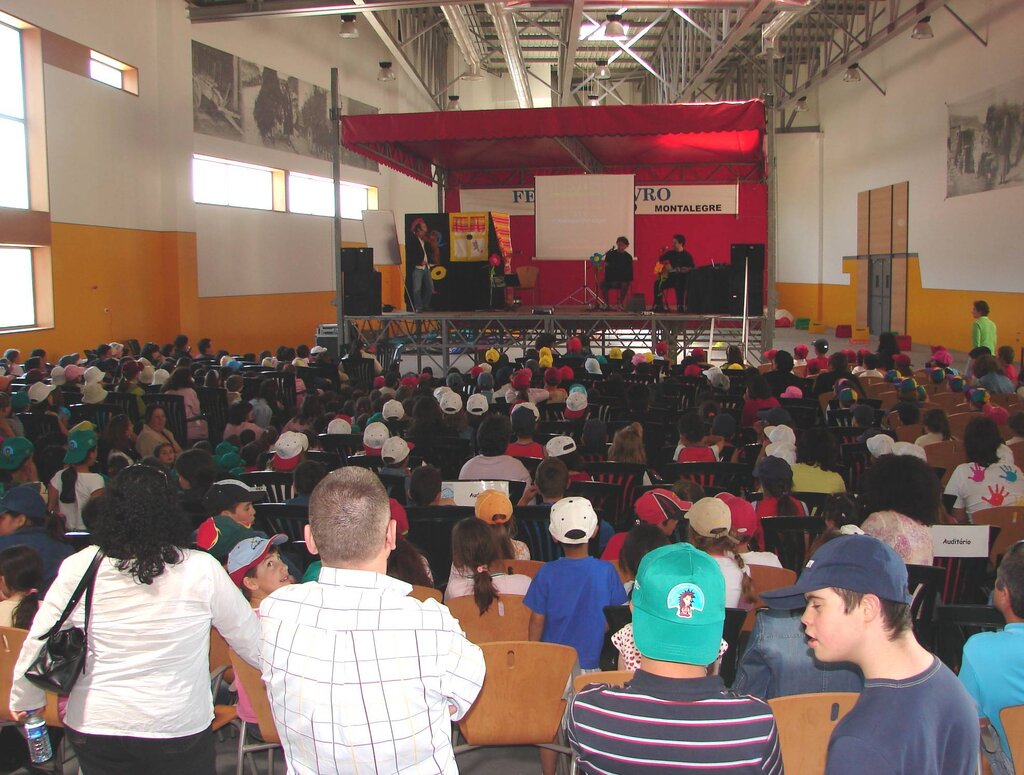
<point>674,51</point>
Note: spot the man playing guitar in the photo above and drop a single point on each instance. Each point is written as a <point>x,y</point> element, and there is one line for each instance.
<point>672,269</point>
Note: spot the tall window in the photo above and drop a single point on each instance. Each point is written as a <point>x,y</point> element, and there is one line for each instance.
<point>13,137</point>
<point>18,309</point>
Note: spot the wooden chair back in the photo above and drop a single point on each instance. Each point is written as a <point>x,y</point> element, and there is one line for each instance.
<point>948,401</point>
<point>910,432</point>
<point>523,567</point>
<point>766,578</point>
<point>610,677</point>
<point>523,698</point>
<point>11,641</point>
<point>423,594</point>
<point>805,723</point>
<point>252,680</point>
<point>1018,453</point>
<point>1009,520</point>
<point>958,422</point>
<point>947,455</point>
<point>1013,727</point>
<point>506,620</point>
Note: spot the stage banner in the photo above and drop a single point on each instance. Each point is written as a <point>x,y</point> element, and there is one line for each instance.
<point>647,200</point>
<point>469,236</point>
<point>686,200</point>
<point>503,232</point>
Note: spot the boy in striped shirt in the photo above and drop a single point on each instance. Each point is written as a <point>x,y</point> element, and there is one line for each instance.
<point>673,714</point>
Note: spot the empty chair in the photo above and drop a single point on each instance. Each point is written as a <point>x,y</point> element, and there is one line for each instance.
<point>791,537</point>
<point>276,484</point>
<point>1009,520</point>
<point>423,594</point>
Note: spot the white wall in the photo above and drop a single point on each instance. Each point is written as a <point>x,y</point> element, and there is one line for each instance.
<point>868,141</point>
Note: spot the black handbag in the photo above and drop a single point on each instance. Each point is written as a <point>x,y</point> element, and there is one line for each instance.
<point>62,658</point>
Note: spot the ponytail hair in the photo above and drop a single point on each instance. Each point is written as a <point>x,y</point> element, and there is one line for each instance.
<point>68,480</point>
<point>474,551</point>
<point>785,504</point>
<point>22,571</point>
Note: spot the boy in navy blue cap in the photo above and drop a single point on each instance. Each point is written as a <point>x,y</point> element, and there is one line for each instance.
<point>913,715</point>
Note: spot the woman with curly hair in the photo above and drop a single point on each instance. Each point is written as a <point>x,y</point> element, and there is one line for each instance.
<point>142,703</point>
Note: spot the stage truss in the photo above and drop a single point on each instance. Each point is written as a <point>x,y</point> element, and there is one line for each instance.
<point>446,339</point>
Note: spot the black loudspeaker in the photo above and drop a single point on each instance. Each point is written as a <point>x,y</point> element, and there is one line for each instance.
<point>749,259</point>
<point>362,282</point>
<point>707,290</point>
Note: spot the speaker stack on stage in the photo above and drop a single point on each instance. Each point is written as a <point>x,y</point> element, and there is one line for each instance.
<point>362,282</point>
<point>748,261</point>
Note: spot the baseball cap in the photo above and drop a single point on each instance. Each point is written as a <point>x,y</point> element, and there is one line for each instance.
<point>219,535</point>
<point>24,499</point>
<point>724,425</point>
<point>710,517</point>
<point>821,345</point>
<point>493,506</point>
<point>339,425</point>
<point>250,552</point>
<point>575,405</point>
<point>288,450</point>
<point>375,435</point>
<point>775,416</point>
<point>656,506</point>
<point>227,492</point>
<point>14,451</point>
<point>741,514</point>
<point>773,469</point>
<point>477,404</point>
<point>451,403</point>
<point>560,445</point>
<point>573,521</point>
<point>395,450</point>
<point>859,563</point>
<point>679,605</point>
<point>393,410</point>
<point>523,421</point>
<point>80,443</point>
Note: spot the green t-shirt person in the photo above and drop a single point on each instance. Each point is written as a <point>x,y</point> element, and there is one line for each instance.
<point>983,332</point>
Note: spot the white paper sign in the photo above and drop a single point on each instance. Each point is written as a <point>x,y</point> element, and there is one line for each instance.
<point>647,200</point>
<point>960,540</point>
<point>464,493</point>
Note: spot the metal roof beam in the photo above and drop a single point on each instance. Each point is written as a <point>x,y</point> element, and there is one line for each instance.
<point>505,27</point>
<point>736,34</point>
<point>567,65</point>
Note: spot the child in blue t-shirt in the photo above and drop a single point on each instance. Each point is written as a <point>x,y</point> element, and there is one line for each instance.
<point>568,596</point>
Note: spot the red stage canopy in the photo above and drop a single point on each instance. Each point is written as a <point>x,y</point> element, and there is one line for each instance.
<point>705,142</point>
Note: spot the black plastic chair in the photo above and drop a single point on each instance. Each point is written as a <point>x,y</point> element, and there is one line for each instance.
<point>616,617</point>
<point>532,528</point>
<point>737,478</point>
<point>395,486</point>
<point>330,460</point>
<point>925,585</point>
<point>734,618</point>
<point>341,444</point>
<point>127,403</point>
<point>448,453</point>
<point>371,462</point>
<point>967,579</point>
<point>430,530</point>
<point>628,476</point>
<point>815,501</point>
<point>213,403</point>
<point>954,624</point>
<point>276,484</point>
<point>790,538</point>
<point>603,496</point>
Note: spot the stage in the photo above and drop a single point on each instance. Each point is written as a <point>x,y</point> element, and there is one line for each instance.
<point>446,339</point>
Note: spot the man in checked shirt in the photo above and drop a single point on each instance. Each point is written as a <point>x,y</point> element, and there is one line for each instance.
<point>362,678</point>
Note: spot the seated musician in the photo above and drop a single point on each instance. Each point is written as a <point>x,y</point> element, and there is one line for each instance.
<point>672,269</point>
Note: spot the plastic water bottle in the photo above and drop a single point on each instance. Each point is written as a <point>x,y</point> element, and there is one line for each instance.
<point>38,740</point>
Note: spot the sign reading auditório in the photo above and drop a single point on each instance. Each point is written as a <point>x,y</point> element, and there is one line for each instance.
<point>648,200</point>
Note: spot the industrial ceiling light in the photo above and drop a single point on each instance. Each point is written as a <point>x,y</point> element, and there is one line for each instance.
<point>852,74</point>
<point>923,30</point>
<point>593,100</point>
<point>473,73</point>
<point>801,105</point>
<point>602,73</point>
<point>385,73</point>
<point>348,28</point>
<point>453,102</point>
<point>613,29</point>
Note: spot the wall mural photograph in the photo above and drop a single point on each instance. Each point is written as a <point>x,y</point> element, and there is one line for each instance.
<point>986,141</point>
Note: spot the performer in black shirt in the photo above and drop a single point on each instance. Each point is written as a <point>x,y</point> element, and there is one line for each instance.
<point>674,265</point>
<point>618,271</point>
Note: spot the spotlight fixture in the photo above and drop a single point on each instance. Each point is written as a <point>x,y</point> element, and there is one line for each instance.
<point>602,73</point>
<point>593,100</point>
<point>348,28</point>
<point>385,73</point>
<point>613,29</point>
<point>801,105</point>
<point>453,102</point>
<point>852,74</point>
<point>923,30</point>
<point>473,73</point>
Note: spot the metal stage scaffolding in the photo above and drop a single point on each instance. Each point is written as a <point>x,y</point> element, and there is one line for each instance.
<point>446,339</point>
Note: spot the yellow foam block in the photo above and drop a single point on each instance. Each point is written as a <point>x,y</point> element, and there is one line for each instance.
<point>860,336</point>
<point>816,328</point>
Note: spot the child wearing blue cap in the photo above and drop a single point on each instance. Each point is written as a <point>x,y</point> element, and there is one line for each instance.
<point>913,716</point>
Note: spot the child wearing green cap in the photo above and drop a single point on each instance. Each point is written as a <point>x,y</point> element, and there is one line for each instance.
<point>675,712</point>
<point>17,465</point>
<point>73,486</point>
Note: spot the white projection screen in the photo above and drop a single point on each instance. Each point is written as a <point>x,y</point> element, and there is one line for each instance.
<point>578,215</point>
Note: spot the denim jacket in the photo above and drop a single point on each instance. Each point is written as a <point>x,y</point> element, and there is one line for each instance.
<point>778,662</point>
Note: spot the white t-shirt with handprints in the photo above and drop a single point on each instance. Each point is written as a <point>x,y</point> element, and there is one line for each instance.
<point>977,487</point>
